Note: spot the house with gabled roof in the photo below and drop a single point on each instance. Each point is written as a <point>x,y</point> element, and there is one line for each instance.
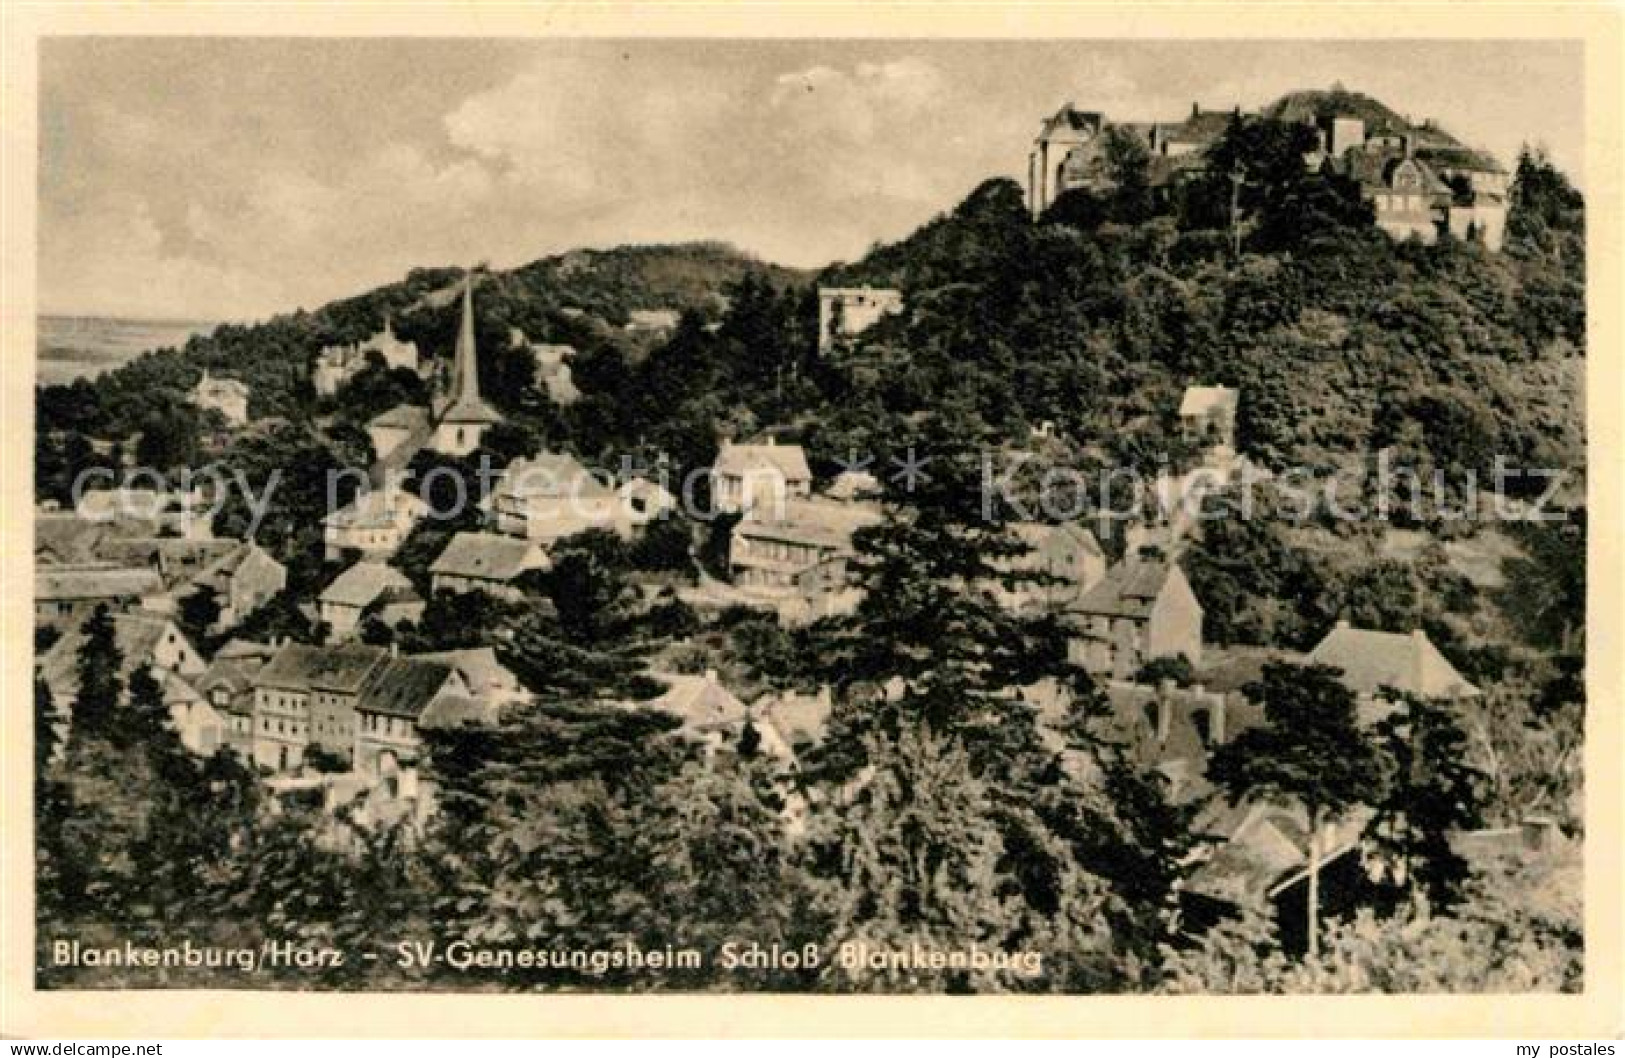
<point>228,396</point>
<point>1257,856</point>
<point>552,364</point>
<point>488,562</point>
<point>342,603</point>
<point>228,686</point>
<point>710,713</point>
<point>242,580</point>
<point>392,705</point>
<point>1142,609</point>
<point>1371,662</point>
<point>241,575</point>
<point>373,524</point>
<point>401,425</point>
<point>62,538</point>
<point>337,364</point>
<point>486,678</point>
<point>1207,415</point>
<point>142,639</point>
<point>307,695</point>
<point>65,595</point>
<point>746,476</point>
<point>794,720</point>
<point>549,497</point>
<point>772,549</point>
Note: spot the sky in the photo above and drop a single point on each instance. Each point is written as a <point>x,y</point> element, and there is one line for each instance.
<point>234,178</point>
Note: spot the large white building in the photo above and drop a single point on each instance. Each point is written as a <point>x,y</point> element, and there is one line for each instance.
<point>374,524</point>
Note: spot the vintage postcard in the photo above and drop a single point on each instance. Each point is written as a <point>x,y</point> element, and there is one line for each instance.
<point>1028,521</point>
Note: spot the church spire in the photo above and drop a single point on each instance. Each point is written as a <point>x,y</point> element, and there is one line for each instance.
<point>465,371</point>
<point>463,403</point>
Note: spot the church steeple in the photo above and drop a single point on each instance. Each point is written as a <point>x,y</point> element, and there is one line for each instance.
<point>463,414</point>
<point>465,369</point>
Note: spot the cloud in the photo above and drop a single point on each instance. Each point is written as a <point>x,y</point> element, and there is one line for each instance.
<point>637,133</point>
<point>280,239</point>
<point>802,165</point>
<point>784,163</point>
<point>111,254</point>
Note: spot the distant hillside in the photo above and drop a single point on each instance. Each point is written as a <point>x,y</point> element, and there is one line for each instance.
<point>1342,341</point>
<point>70,347</point>
<point>581,298</point>
<point>610,283</point>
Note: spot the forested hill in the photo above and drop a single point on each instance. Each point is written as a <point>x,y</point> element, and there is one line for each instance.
<point>1341,340</point>
<point>581,297</point>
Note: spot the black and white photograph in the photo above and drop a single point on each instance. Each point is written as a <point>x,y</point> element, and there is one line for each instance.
<point>1081,517</point>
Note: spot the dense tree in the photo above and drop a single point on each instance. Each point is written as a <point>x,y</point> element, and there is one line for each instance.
<point>1545,590</point>
<point>60,458</point>
<point>930,658</point>
<point>665,546</point>
<point>377,388</point>
<point>169,440</point>
<point>1432,793</point>
<point>1310,752</point>
<point>1498,944</point>
<point>197,613</point>
<point>96,704</point>
<point>590,595</point>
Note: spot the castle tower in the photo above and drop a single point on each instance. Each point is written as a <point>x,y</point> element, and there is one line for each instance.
<point>463,416</point>
<point>1068,130</point>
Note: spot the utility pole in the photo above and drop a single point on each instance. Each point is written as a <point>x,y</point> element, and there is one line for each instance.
<point>1237,178</point>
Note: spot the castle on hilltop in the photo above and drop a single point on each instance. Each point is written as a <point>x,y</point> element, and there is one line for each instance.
<point>1419,179</point>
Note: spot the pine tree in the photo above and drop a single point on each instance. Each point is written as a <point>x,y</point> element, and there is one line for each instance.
<point>916,860</point>
<point>931,656</point>
<point>96,704</point>
<point>51,803</point>
<point>539,821</point>
<point>144,721</point>
<point>1310,752</point>
<point>1432,792</point>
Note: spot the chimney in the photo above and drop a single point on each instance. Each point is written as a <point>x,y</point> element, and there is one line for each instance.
<point>394,649</point>
<point>710,675</point>
<point>1194,109</point>
<point>1419,635</point>
<point>1342,622</point>
<point>771,440</point>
